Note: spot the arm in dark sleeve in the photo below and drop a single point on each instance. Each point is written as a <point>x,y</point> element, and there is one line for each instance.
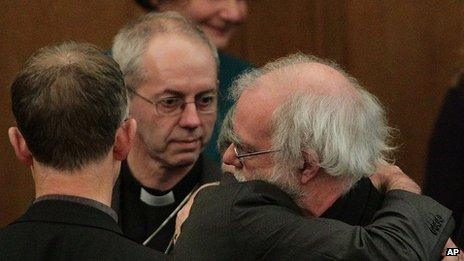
<point>444,179</point>
<point>408,227</point>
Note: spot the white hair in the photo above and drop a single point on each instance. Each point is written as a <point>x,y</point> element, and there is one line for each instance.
<point>131,42</point>
<point>347,131</point>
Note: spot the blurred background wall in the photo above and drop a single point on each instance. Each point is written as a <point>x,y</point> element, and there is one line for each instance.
<point>406,52</point>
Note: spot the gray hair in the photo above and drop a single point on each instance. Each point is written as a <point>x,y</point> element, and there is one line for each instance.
<point>131,42</point>
<point>226,134</point>
<point>348,132</point>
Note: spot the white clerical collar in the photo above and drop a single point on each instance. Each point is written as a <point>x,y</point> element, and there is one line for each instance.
<point>156,201</point>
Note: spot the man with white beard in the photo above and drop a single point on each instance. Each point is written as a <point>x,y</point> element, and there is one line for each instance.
<point>304,132</point>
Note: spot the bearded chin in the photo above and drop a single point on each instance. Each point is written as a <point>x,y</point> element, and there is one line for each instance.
<point>239,177</point>
<point>284,178</point>
<point>279,176</point>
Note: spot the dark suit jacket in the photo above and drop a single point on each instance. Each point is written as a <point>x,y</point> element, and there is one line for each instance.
<point>62,230</point>
<point>255,220</point>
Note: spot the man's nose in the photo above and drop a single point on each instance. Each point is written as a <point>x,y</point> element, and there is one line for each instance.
<point>234,11</point>
<point>189,117</point>
<point>230,157</point>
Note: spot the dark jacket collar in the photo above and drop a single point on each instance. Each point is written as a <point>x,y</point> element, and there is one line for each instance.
<point>273,194</point>
<point>80,200</point>
<point>59,211</point>
<point>362,201</point>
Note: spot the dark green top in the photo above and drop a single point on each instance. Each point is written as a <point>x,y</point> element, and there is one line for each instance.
<point>230,67</point>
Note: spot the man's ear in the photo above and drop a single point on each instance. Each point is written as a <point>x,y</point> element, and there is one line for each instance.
<point>310,166</point>
<point>20,147</point>
<point>124,138</point>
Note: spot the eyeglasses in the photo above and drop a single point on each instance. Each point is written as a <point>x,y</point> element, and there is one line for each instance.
<point>240,155</point>
<point>173,106</point>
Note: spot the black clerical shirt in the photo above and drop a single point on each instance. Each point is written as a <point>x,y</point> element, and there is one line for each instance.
<point>139,218</point>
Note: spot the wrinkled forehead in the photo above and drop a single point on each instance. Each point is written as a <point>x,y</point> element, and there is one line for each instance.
<point>178,62</point>
<point>163,45</point>
<point>254,113</point>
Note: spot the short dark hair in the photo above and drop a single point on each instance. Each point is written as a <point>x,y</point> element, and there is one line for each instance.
<point>68,101</point>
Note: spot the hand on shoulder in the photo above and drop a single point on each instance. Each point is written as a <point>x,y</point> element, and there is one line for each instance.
<point>389,177</point>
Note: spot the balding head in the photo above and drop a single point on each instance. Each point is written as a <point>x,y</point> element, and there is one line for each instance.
<point>267,88</point>
<point>296,72</point>
<point>132,41</point>
<point>302,103</point>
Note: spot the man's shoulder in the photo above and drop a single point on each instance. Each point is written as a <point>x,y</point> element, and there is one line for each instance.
<point>249,194</point>
<point>233,192</point>
<point>230,221</point>
<point>76,242</point>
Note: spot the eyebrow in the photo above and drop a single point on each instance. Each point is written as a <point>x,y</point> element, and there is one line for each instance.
<point>206,92</point>
<point>180,94</point>
<point>240,142</point>
<point>171,92</point>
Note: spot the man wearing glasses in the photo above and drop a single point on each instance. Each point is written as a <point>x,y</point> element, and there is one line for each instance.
<point>303,133</point>
<point>170,69</point>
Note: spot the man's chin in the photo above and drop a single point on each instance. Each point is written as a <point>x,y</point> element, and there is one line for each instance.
<point>239,177</point>
<point>184,159</point>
